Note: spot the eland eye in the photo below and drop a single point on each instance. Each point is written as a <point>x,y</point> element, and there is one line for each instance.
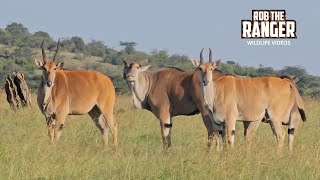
<point>55,69</point>
<point>211,69</point>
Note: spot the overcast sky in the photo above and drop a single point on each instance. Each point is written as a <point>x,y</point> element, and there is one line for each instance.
<point>182,27</point>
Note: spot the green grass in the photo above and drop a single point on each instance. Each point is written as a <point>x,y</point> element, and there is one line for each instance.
<point>26,153</point>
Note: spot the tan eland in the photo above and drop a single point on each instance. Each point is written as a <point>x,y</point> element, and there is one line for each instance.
<point>231,98</point>
<point>74,92</point>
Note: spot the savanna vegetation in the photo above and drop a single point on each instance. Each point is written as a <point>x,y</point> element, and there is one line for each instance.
<point>26,152</point>
<point>19,48</point>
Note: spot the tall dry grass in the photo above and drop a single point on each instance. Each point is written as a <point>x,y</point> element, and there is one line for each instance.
<point>26,153</point>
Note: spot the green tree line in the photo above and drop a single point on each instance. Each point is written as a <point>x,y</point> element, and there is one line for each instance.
<point>19,48</point>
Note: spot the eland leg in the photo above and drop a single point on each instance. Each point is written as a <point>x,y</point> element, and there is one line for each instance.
<point>249,130</point>
<point>278,133</point>
<point>105,105</point>
<point>211,135</point>
<point>273,132</point>
<point>166,128</point>
<point>231,129</point>
<point>50,126</point>
<point>111,123</point>
<point>293,125</point>
<point>223,134</point>
<point>220,135</point>
<point>60,119</point>
<point>100,122</point>
<point>162,113</point>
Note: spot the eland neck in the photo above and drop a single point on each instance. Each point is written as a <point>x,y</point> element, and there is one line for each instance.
<point>209,93</point>
<point>140,87</point>
<point>44,94</point>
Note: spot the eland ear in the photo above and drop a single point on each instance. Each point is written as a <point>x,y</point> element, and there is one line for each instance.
<point>60,64</point>
<point>125,63</point>
<point>38,63</point>
<point>195,63</point>
<point>297,80</point>
<point>217,63</point>
<point>144,68</point>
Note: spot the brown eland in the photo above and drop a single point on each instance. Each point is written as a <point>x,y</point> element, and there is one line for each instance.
<point>231,98</point>
<point>75,92</point>
<point>167,93</point>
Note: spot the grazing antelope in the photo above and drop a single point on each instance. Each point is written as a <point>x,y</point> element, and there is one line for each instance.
<point>167,92</point>
<point>231,98</point>
<point>65,92</point>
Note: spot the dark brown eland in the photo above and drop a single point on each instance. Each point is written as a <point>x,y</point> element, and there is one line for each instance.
<point>231,98</point>
<point>75,92</point>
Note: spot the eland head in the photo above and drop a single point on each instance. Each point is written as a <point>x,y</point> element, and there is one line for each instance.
<point>49,66</point>
<point>131,71</point>
<point>205,68</point>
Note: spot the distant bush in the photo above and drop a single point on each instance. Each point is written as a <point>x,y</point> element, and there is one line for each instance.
<point>19,48</point>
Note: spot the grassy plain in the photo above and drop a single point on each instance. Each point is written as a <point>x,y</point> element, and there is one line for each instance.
<point>26,153</point>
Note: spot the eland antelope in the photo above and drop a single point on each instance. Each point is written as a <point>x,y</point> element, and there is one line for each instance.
<point>167,92</point>
<point>231,98</point>
<point>74,92</point>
